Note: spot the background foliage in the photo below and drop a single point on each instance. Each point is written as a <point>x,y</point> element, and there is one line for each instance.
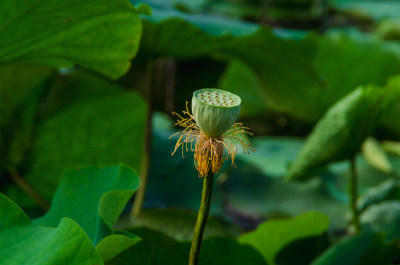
<point>85,84</point>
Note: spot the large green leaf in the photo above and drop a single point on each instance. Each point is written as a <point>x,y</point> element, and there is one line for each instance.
<point>364,249</point>
<point>314,69</point>
<point>97,34</point>
<point>288,66</point>
<point>272,236</point>
<point>157,248</point>
<point>95,198</point>
<point>100,130</point>
<point>23,242</point>
<point>168,32</point>
<point>90,196</point>
<point>209,24</point>
<point>112,245</point>
<point>342,130</point>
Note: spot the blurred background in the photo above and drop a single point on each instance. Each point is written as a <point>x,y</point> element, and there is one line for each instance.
<point>289,60</point>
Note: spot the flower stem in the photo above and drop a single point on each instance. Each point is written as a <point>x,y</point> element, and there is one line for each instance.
<point>145,164</point>
<point>353,196</point>
<point>201,219</point>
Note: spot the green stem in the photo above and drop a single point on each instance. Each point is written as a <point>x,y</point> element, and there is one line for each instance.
<point>201,219</point>
<point>353,196</point>
<point>28,189</point>
<point>145,164</point>
<point>170,81</point>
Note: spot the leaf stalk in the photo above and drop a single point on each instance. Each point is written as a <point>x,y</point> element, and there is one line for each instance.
<point>353,196</point>
<point>145,163</point>
<point>28,189</point>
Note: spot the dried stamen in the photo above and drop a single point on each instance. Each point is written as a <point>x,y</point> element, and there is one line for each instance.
<point>209,152</point>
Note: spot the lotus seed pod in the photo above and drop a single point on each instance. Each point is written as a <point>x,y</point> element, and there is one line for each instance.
<point>215,110</point>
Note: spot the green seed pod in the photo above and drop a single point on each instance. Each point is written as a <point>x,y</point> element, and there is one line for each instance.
<point>215,110</point>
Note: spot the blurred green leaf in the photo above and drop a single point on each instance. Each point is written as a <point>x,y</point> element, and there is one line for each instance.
<point>192,5</point>
<point>219,250</point>
<point>21,89</point>
<point>388,190</point>
<point>186,191</point>
<point>23,242</point>
<point>375,155</point>
<point>391,147</point>
<point>18,83</point>
<point>163,14</point>
<point>321,63</point>
<point>166,169</point>
<point>298,10</point>
<point>171,42</point>
<point>76,87</point>
<point>169,32</point>
<point>177,223</point>
<point>241,80</point>
<point>261,195</point>
<point>364,249</point>
<point>281,233</point>
<point>273,155</point>
<point>383,217</point>
<point>19,134</point>
<point>103,130</point>
<point>389,119</point>
<point>377,10</point>
<point>95,198</point>
<point>336,179</point>
<point>112,245</point>
<point>237,9</point>
<point>303,251</point>
<point>340,133</point>
<point>252,193</point>
<point>389,29</point>
<point>157,248</point>
<point>143,9</point>
<point>60,34</point>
